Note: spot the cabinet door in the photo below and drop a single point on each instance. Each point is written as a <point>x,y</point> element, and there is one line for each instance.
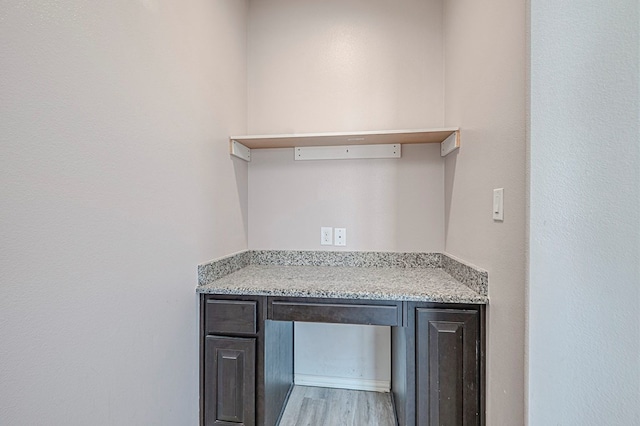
<point>447,367</point>
<point>229,381</point>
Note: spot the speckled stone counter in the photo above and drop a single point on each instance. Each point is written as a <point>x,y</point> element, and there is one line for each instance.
<point>426,277</point>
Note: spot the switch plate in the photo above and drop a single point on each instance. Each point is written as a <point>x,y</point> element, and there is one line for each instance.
<point>341,236</point>
<point>326,236</point>
<point>498,204</point>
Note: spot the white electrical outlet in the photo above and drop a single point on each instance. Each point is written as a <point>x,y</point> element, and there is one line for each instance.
<point>326,236</point>
<point>341,236</point>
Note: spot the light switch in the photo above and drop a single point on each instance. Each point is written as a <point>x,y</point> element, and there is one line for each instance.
<point>498,204</point>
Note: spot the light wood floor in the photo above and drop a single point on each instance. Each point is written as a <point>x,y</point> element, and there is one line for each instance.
<point>312,406</point>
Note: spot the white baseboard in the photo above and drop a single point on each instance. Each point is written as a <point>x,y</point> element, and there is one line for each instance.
<point>342,383</point>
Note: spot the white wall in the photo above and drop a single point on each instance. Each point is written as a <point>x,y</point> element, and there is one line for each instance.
<point>385,204</point>
<point>340,66</point>
<point>344,65</point>
<point>584,315</point>
<point>485,61</point>
<point>115,183</point>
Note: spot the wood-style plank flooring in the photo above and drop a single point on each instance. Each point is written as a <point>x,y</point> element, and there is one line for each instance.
<point>312,406</point>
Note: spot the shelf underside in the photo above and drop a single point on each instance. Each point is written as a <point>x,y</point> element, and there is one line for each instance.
<point>346,138</point>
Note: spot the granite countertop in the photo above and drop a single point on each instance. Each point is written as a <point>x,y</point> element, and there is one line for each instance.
<point>415,283</point>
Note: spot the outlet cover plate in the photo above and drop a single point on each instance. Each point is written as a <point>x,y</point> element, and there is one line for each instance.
<point>326,236</point>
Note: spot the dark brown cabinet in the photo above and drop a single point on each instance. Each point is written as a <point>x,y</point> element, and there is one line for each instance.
<point>447,367</point>
<point>229,382</point>
<point>229,358</point>
<point>246,356</point>
<point>437,365</point>
<point>246,362</point>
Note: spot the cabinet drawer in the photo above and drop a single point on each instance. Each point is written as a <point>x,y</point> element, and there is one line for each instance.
<point>231,316</point>
<point>336,312</point>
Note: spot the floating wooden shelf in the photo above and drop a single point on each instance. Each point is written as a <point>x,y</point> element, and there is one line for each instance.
<point>449,138</point>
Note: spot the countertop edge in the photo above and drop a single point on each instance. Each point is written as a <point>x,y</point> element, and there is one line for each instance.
<point>479,300</point>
